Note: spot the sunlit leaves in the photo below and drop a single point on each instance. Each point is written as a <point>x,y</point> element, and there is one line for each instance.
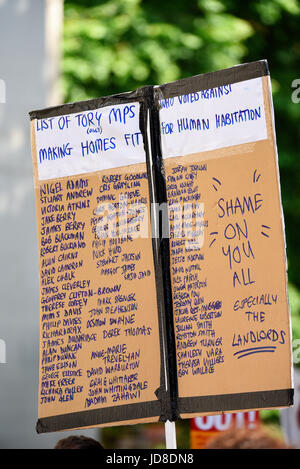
<point>118,45</point>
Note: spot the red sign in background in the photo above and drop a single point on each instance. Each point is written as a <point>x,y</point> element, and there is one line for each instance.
<point>205,428</point>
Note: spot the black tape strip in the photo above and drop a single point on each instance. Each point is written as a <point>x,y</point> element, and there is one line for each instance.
<point>88,105</point>
<point>164,258</point>
<point>226,402</point>
<point>96,417</point>
<point>168,406</point>
<point>230,402</point>
<point>161,392</point>
<point>213,79</point>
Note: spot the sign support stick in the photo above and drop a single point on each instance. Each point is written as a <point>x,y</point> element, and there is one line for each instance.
<point>170,432</point>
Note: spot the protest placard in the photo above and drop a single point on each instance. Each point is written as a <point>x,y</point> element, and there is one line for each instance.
<point>161,254</point>
<point>228,268</point>
<point>100,346</point>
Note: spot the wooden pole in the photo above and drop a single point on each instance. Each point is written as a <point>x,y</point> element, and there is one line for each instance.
<point>170,432</point>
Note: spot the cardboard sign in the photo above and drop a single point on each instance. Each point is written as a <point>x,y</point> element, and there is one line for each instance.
<point>147,317</point>
<point>203,429</point>
<point>99,325</point>
<point>230,305</point>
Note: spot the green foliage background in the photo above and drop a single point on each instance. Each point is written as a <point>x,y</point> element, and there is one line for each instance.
<point>112,46</point>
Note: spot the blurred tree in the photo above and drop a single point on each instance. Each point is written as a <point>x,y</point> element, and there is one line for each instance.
<point>112,46</point>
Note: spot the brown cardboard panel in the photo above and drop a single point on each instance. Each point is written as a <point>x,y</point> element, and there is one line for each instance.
<point>231,313</point>
<point>99,330</point>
